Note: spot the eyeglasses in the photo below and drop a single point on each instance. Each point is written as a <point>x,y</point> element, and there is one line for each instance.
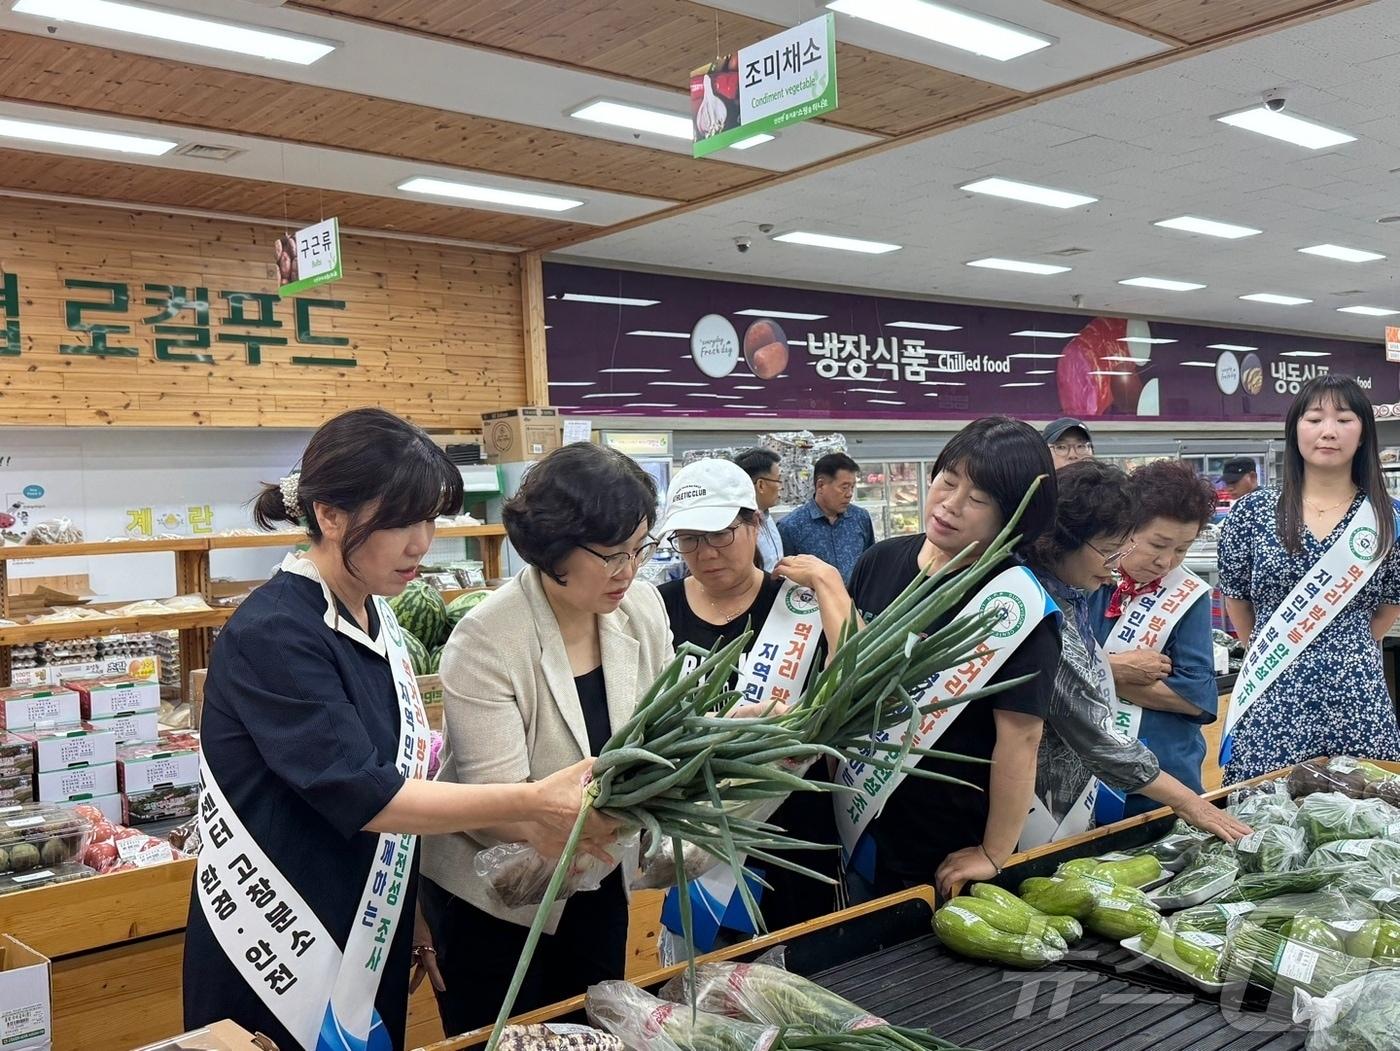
<point>1073,448</point>
<point>616,564</point>
<point>689,543</point>
<point>768,481</point>
<point>1112,561</point>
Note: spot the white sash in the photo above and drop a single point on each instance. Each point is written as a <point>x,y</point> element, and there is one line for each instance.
<point>1147,622</point>
<point>775,669</point>
<point>1023,604</point>
<point>324,997</point>
<point>1322,593</point>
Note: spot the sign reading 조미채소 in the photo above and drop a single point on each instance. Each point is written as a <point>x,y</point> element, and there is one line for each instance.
<point>787,78</point>
<point>310,257</point>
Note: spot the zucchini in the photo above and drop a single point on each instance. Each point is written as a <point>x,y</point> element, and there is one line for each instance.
<point>1195,951</point>
<point>1059,897</point>
<point>1116,920</point>
<point>1012,921</point>
<point>967,933</point>
<point>1066,927</point>
<point>1376,940</point>
<point>1077,867</point>
<point>1310,930</point>
<point>1132,872</point>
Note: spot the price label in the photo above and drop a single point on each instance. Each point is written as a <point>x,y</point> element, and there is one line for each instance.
<point>1360,848</point>
<point>1250,843</point>
<point>25,822</point>
<point>1296,961</point>
<point>34,877</point>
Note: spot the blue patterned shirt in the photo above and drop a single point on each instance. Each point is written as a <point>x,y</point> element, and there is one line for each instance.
<point>807,531</point>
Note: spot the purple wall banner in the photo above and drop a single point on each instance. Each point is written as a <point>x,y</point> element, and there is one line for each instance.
<point>640,344</point>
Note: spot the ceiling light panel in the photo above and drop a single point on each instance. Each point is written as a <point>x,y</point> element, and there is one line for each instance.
<point>616,301</point>
<point>1229,346</point>
<point>1277,124</point>
<point>488,195</point>
<point>1345,255</point>
<point>1036,333</point>
<point>1276,299</point>
<point>1029,193</point>
<point>1368,311</point>
<point>840,244</point>
<point>1163,283</point>
<point>180,28</point>
<point>1018,266</point>
<point>1192,224</point>
<point>988,37</point>
<point>84,138</point>
<point>751,142</point>
<point>635,118</point>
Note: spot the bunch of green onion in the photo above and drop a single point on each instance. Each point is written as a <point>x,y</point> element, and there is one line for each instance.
<point>680,767</point>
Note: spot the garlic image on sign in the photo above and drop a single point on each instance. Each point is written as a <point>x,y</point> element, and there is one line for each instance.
<point>710,118</point>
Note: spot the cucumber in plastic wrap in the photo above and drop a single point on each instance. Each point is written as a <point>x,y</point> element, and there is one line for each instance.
<point>967,933</point>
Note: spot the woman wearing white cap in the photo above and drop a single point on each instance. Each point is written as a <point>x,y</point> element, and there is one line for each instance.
<point>712,521</point>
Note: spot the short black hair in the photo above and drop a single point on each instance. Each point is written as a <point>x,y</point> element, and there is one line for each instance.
<point>756,462</point>
<point>1095,499</point>
<point>385,472</point>
<point>1003,457</point>
<point>580,494</point>
<point>833,463</point>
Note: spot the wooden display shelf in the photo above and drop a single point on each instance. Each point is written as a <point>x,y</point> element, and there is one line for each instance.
<point>28,634</point>
<point>236,543</point>
<point>105,547</point>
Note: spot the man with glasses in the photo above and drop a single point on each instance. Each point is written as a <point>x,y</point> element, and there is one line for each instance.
<point>829,525</point>
<point>761,465</point>
<point>1069,441</point>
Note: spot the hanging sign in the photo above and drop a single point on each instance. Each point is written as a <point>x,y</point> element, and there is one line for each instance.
<point>787,78</point>
<point>310,257</point>
<point>1392,343</point>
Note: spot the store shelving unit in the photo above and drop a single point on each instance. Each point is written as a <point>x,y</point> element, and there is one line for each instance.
<point>192,577</point>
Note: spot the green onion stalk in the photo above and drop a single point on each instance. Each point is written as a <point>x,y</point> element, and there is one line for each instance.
<point>682,770</point>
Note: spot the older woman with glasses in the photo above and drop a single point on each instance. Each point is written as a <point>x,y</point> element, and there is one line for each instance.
<point>534,679</point>
<point>1088,758</point>
<point>712,521</point>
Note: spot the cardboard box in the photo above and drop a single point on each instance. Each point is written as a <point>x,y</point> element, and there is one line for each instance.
<point>144,667</point>
<point>66,747</point>
<point>77,785</point>
<point>161,804</point>
<point>25,707</point>
<point>131,729</point>
<point>26,998</point>
<point>165,764</point>
<point>219,1036</point>
<point>527,433</point>
<point>115,695</point>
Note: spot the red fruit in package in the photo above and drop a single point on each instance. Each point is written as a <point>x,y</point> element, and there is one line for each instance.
<point>1082,393</point>
<point>100,856</point>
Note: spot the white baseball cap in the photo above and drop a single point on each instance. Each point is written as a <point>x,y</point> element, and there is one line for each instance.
<point>706,496</point>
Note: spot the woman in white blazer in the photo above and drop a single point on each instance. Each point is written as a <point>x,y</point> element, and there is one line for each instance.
<point>534,679</point>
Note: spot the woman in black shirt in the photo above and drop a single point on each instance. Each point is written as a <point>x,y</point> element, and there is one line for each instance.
<point>930,831</point>
<point>712,520</point>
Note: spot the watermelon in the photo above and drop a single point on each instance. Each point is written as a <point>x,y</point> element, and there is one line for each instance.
<point>417,653</point>
<point>422,612</point>
<point>434,664</point>
<point>458,607</point>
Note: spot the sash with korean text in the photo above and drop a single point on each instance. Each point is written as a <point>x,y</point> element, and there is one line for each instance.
<point>1315,601</point>
<point>322,994</point>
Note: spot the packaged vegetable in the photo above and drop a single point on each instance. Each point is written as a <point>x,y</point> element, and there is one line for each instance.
<point>35,834</point>
<point>1066,928</point>
<point>967,933</point>
<point>1199,882</point>
<point>1174,852</point>
<point>644,1023</point>
<point>1337,775</point>
<point>1275,789</point>
<point>1265,809</point>
<point>1272,848</point>
<point>1116,919</point>
<point>1272,884</point>
<point>1210,918</point>
<point>1359,1015</point>
<point>556,1036</point>
<point>1073,897</point>
<point>1383,855</point>
<point>1272,961</point>
<point>1195,952</point>
<point>1377,939</point>
<point>761,992</point>
<point>1013,921</point>
<point>1329,816</point>
<point>1312,930</point>
<point>518,875</point>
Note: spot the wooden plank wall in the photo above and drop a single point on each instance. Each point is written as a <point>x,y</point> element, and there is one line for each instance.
<point>436,331</point>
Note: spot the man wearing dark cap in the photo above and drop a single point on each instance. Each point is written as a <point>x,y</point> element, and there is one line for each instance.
<point>1069,441</point>
<point>1241,477</point>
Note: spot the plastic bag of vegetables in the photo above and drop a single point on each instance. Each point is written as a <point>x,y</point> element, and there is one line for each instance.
<point>1265,808</point>
<point>764,993</point>
<point>1360,1015</point>
<point>1203,879</point>
<point>1383,855</point>
<point>644,1023</point>
<point>519,876</point>
<point>1274,961</point>
<point>1272,848</point>
<point>1342,773</point>
<point>1329,816</point>
<point>1264,885</point>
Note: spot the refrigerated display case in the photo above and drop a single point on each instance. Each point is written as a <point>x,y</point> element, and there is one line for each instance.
<point>893,493</point>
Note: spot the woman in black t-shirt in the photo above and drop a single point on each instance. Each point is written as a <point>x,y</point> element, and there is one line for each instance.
<point>712,521</point>
<point>929,831</point>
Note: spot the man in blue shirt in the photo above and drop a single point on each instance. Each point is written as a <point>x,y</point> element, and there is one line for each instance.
<point>827,525</point>
<point>762,466</point>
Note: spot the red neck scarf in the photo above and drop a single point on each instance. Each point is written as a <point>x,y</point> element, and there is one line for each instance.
<point>1127,590</point>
